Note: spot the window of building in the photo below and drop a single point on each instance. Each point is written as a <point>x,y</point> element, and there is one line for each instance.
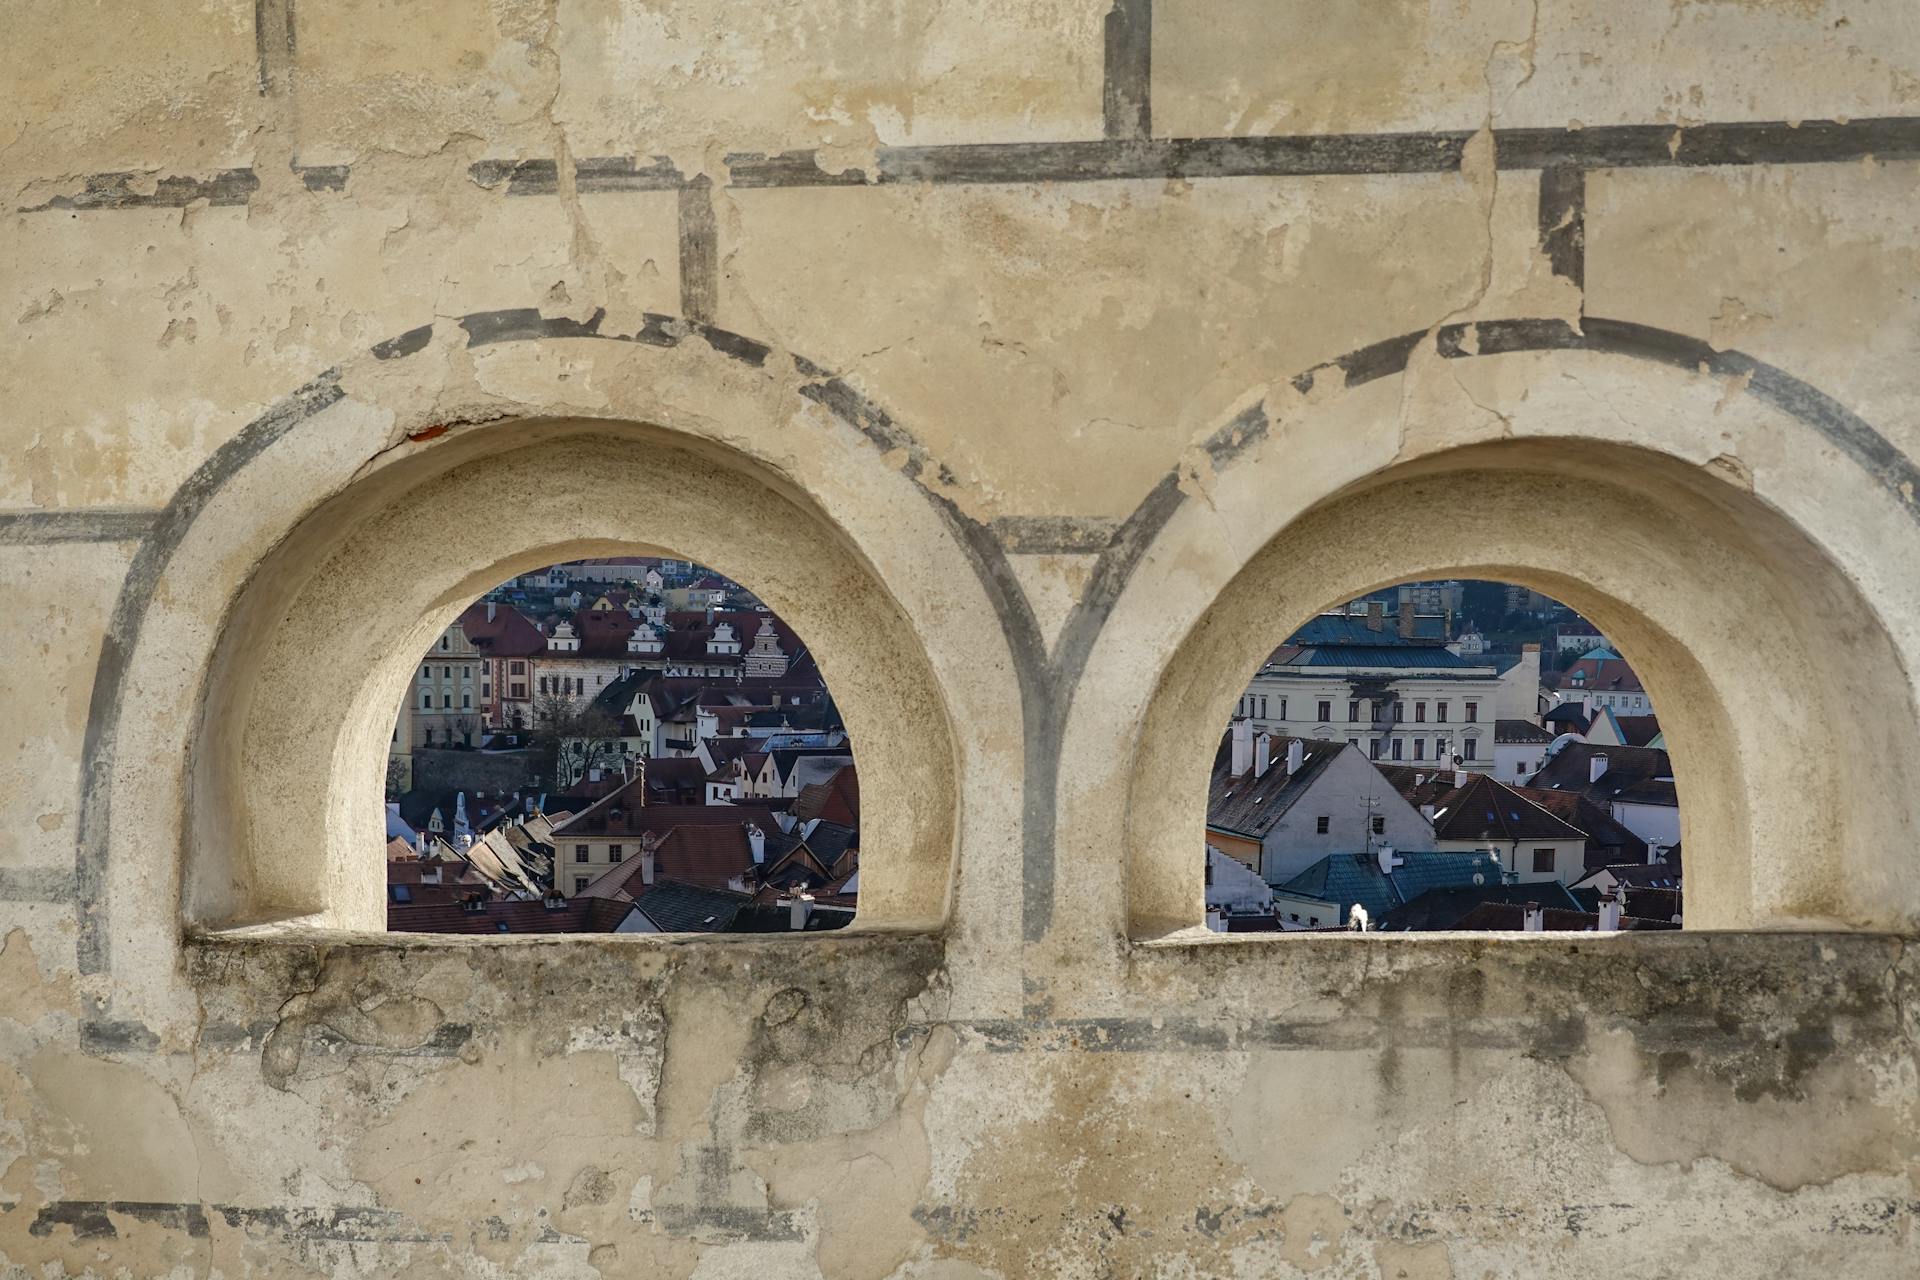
<point>426,702</point>
<point>615,852</point>
<point>1375,745</point>
<point>1396,748</point>
<point>1419,748</point>
<point>517,667</point>
<point>1467,746</point>
<point>580,853</point>
<point>1543,861</point>
<point>1379,824</point>
<point>466,701</point>
<point>446,701</point>
<point>1440,711</point>
<point>1324,712</point>
<point>1399,711</point>
<point>1353,712</point>
<point>1473,712</point>
<point>1263,707</point>
<point>580,884</point>
<point>1322,824</point>
<point>1419,712</point>
<point>445,643</point>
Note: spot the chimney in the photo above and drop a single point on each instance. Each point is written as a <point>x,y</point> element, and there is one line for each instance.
<point>1387,861</point>
<point>1610,911</point>
<point>1296,756</point>
<point>1534,920</point>
<point>1406,619</point>
<point>1262,755</point>
<point>1376,615</point>
<point>490,608</point>
<point>757,841</point>
<point>648,843</point>
<point>1459,777</point>
<point>799,910</point>
<point>1242,748</point>
<point>1427,811</point>
<point>1596,767</point>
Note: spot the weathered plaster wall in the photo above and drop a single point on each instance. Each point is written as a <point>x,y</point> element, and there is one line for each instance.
<point>1062,356</point>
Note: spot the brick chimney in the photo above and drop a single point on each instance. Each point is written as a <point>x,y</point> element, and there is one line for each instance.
<point>1406,619</point>
<point>1376,615</point>
<point>1242,760</point>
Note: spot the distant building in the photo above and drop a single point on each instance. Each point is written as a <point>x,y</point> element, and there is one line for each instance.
<point>1325,894</point>
<point>1390,687</point>
<point>1633,784</point>
<point>1601,678</point>
<point>1278,805</point>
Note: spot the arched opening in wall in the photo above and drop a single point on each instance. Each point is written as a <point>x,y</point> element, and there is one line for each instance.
<point>1444,755</point>
<point>340,625</point>
<point>623,744</point>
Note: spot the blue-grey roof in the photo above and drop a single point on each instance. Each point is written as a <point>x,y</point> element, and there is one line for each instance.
<point>1347,878</point>
<point>1403,657</point>
<point>1351,628</point>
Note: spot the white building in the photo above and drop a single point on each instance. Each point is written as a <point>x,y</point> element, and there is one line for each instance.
<point>1391,688</point>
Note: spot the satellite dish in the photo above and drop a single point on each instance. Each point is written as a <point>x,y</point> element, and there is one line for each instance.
<point>1478,878</point>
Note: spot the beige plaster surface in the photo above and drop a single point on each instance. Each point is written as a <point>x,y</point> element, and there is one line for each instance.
<point>1042,468</point>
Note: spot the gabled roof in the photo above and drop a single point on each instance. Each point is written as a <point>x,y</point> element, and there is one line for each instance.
<point>1348,878</point>
<point>675,907</point>
<point>1633,774</point>
<point>1444,908</point>
<point>1602,670</point>
<point>1250,806</point>
<point>1639,731</point>
<point>576,915</point>
<point>1519,731</point>
<point>837,799</point>
<point>1429,630</point>
<point>1607,841</point>
<point>1482,809</point>
<point>1511,917</point>
<point>508,634</point>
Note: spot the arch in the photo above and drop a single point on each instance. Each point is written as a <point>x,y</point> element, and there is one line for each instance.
<point>1675,466</point>
<point>359,438</point>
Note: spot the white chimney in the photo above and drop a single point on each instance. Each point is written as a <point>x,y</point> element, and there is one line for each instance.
<point>1262,755</point>
<point>799,910</point>
<point>1596,767</point>
<point>490,608</point>
<point>1427,811</point>
<point>1535,920</point>
<point>648,842</point>
<point>1242,747</point>
<point>1387,861</point>
<point>1296,755</point>
<point>757,841</point>
<point>1610,912</point>
<point>1459,777</point>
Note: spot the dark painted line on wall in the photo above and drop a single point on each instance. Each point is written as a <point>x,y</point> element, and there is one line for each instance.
<point>81,524</point>
<point>124,190</point>
<point>273,42</point>
<point>93,946</point>
<point>595,175</point>
<point>1126,90</point>
<point>1119,159</point>
<point>1305,155</point>
<point>699,251</point>
<point>1563,222</point>
<point>1054,535</point>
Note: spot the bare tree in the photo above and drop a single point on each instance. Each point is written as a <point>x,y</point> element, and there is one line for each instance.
<point>569,739</point>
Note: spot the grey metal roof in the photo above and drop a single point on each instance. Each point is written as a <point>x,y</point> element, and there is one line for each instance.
<point>684,908</point>
<point>1347,878</point>
<point>1249,805</point>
